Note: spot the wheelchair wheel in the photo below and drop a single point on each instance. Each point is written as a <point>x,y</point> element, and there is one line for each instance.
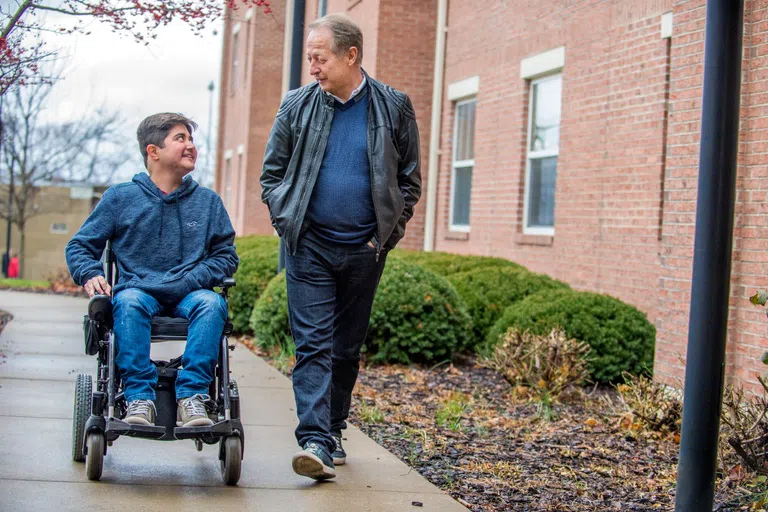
<point>83,389</point>
<point>94,461</point>
<point>231,459</point>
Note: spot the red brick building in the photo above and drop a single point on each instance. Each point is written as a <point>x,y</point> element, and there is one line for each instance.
<point>568,141</point>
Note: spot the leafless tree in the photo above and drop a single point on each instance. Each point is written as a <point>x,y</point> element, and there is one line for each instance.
<point>38,152</point>
<point>21,58</point>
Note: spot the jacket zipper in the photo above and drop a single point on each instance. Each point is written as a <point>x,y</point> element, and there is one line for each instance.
<point>304,189</point>
<point>373,195</point>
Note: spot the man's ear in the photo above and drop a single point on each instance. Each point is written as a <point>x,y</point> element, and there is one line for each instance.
<point>352,55</point>
<point>152,152</point>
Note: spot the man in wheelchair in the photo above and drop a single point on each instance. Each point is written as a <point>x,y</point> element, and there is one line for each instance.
<point>173,242</point>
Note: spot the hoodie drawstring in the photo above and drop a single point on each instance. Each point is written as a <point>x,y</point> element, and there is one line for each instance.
<point>162,218</point>
<point>181,229</point>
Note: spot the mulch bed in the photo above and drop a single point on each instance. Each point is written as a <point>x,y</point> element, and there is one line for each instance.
<point>502,455</point>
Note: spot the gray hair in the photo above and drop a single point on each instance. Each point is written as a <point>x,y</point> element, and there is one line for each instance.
<point>345,32</point>
<point>154,129</point>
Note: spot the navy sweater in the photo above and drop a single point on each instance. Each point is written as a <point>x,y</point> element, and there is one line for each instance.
<point>341,207</point>
<point>167,246</point>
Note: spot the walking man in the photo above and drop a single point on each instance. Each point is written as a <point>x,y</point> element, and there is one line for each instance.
<point>341,176</point>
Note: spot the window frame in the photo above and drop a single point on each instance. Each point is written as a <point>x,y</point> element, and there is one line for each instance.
<point>227,182</point>
<point>460,164</point>
<point>531,155</point>
<point>235,60</point>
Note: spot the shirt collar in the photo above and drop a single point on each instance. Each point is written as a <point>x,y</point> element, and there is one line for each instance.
<point>354,93</point>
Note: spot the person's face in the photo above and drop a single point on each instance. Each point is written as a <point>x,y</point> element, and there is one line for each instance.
<point>334,73</point>
<point>178,152</point>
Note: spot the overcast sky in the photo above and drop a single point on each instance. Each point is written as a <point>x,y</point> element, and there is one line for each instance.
<point>172,73</point>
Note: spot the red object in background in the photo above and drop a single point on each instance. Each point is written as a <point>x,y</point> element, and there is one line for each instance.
<point>13,267</point>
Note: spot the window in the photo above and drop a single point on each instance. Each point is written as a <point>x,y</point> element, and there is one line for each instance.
<point>247,45</point>
<point>59,228</point>
<point>322,8</point>
<point>227,181</point>
<point>235,63</point>
<point>543,149</point>
<point>239,183</point>
<point>463,164</point>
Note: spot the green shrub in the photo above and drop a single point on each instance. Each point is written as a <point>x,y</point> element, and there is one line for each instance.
<point>417,316</point>
<point>620,336</point>
<point>258,264</point>
<point>269,320</point>
<point>489,291</point>
<point>447,264</point>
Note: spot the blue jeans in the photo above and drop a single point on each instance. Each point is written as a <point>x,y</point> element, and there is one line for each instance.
<point>133,310</point>
<point>330,295</point>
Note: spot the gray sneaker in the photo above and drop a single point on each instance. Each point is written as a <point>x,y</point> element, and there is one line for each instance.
<point>314,462</point>
<point>191,412</point>
<point>141,412</point>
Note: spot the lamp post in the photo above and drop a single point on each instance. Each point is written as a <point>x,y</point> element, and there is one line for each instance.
<point>7,254</point>
<point>708,326</point>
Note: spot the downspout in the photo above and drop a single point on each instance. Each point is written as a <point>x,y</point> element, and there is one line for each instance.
<point>434,133</point>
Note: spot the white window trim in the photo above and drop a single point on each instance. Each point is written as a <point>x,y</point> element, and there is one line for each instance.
<point>545,63</point>
<point>538,230</point>
<point>464,89</point>
<point>460,228</point>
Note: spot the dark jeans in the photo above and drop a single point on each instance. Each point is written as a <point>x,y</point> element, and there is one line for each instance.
<point>330,295</point>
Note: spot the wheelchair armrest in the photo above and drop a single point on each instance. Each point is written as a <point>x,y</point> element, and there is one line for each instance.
<point>100,309</point>
<point>228,282</point>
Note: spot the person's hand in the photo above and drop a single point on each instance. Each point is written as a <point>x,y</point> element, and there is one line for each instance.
<point>97,286</point>
<point>370,244</point>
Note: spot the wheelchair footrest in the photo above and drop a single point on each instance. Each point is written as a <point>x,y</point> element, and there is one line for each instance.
<point>215,431</point>
<point>121,428</point>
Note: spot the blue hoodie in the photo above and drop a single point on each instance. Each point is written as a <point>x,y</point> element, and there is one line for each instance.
<point>166,245</point>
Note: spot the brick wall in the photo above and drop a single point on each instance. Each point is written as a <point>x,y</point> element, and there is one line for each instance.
<point>608,189</point>
<point>248,111</point>
<point>406,61</point>
<point>747,328</point>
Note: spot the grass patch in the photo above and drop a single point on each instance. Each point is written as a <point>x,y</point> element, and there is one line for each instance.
<point>452,410</point>
<point>24,283</point>
<point>370,413</point>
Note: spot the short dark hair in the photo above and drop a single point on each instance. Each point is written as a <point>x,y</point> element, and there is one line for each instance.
<point>345,32</point>
<point>154,129</point>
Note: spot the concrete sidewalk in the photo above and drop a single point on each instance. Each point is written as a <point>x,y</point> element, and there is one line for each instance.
<point>43,349</point>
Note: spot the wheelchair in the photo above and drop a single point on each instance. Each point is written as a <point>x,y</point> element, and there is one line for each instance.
<point>96,420</point>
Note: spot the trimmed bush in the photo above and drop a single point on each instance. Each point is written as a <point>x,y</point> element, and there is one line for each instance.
<point>446,264</point>
<point>258,264</point>
<point>417,316</point>
<point>487,292</point>
<point>620,336</point>
<point>269,320</point>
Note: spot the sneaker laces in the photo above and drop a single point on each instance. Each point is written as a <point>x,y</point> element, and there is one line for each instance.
<point>195,405</point>
<point>337,440</point>
<point>140,407</point>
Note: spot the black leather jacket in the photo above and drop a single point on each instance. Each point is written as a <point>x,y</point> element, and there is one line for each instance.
<point>296,147</point>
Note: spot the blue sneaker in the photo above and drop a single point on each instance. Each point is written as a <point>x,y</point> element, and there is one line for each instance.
<point>339,455</point>
<point>313,462</point>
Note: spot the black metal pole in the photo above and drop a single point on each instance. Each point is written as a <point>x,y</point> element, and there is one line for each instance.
<point>707,330</point>
<point>294,81</point>
<point>7,255</point>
